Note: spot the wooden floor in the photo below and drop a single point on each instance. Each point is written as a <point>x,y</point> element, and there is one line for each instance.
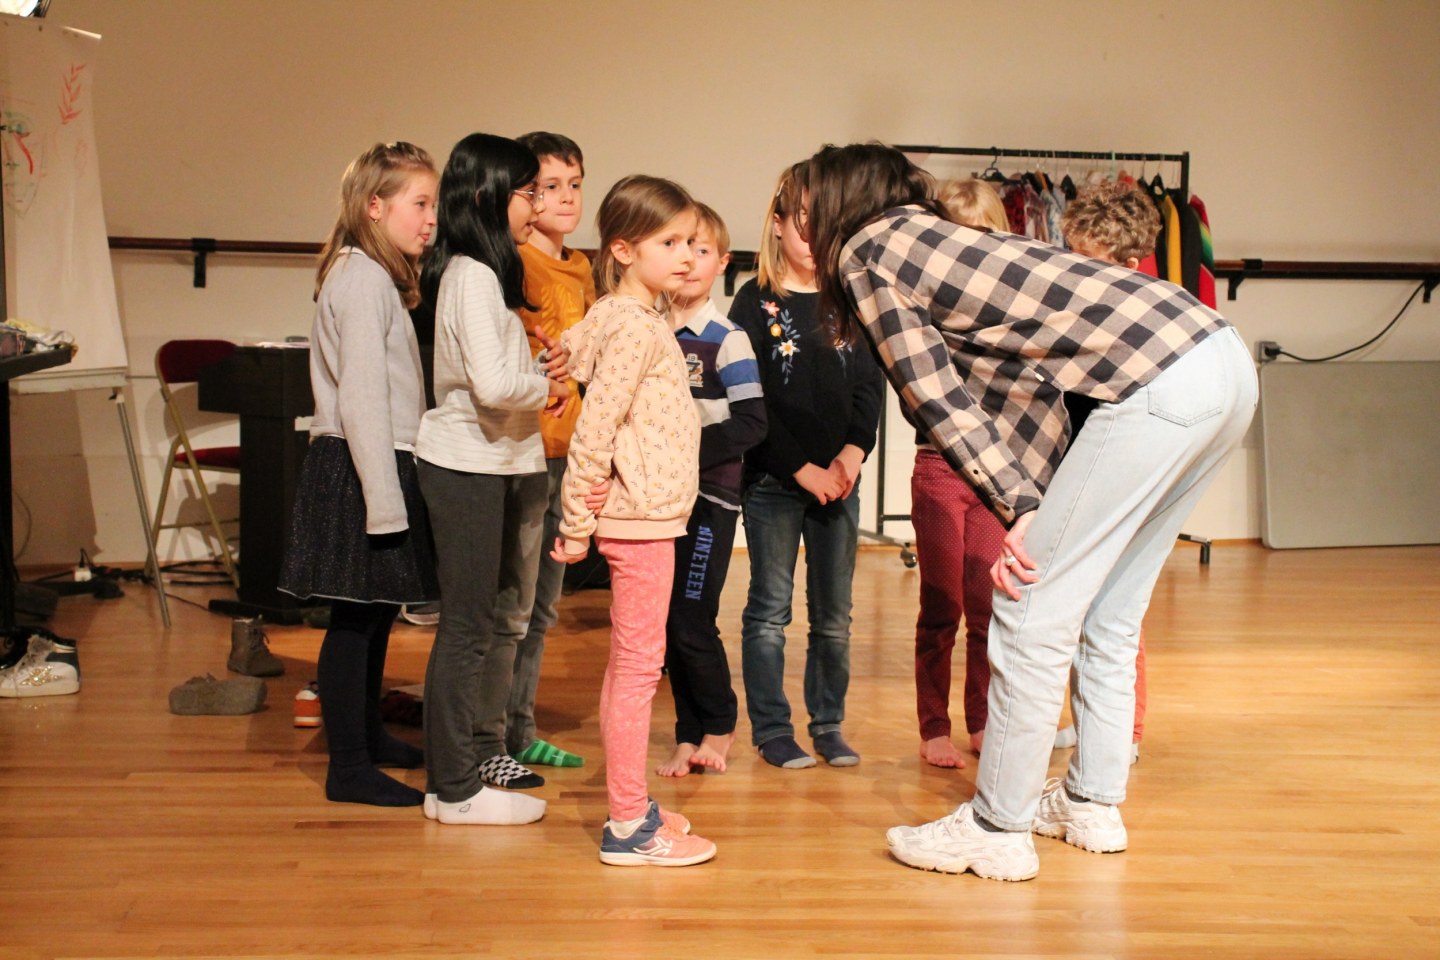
<point>1286,805</point>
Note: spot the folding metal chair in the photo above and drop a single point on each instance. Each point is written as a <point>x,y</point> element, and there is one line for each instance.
<point>178,362</point>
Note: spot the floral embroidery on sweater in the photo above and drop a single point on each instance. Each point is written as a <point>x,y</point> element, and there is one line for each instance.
<point>782,330</point>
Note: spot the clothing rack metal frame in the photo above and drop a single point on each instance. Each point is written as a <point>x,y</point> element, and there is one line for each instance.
<point>1002,153</point>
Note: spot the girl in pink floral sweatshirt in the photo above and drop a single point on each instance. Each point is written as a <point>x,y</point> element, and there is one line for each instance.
<point>638,430</point>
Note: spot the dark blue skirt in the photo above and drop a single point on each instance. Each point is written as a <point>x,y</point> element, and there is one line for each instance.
<point>330,555</point>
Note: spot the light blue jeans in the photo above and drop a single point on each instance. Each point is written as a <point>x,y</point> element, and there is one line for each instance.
<point>776,520</point>
<point>1101,535</point>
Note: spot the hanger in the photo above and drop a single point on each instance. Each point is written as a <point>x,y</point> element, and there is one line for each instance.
<point>1067,185</point>
<point>1156,187</point>
<point>992,173</point>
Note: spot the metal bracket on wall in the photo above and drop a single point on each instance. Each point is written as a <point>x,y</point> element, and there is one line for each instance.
<point>201,247</point>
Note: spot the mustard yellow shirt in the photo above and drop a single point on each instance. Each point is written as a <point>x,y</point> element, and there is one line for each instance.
<point>562,290</point>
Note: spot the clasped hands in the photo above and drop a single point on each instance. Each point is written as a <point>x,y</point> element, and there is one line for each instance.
<point>554,361</point>
<point>835,481</point>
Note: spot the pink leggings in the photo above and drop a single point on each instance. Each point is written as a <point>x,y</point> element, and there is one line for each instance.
<point>641,572</point>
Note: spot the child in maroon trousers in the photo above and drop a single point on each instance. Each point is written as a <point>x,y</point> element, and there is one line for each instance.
<point>957,538</point>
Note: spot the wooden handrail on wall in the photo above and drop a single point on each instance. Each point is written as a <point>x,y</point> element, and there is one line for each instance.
<point>202,247</point>
<point>743,261</point>
<point>1238,271</point>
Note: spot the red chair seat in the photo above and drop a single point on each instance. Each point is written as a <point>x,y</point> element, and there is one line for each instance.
<point>212,458</point>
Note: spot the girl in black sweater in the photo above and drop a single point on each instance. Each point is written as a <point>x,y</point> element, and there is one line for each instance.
<point>801,483</point>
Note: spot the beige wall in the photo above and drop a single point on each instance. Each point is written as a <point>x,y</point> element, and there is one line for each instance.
<point>1310,126</point>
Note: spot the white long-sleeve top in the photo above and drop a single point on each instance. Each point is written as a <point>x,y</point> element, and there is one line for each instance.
<point>486,389</point>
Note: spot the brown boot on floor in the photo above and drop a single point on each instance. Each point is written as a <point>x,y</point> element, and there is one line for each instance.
<point>250,649</point>
<point>206,696</point>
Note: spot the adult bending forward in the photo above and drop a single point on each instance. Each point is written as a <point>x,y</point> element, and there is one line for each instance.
<point>981,333</point>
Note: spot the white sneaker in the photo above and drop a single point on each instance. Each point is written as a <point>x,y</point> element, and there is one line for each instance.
<point>49,668</point>
<point>432,806</point>
<point>957,843</point>
<point>1092,826</point>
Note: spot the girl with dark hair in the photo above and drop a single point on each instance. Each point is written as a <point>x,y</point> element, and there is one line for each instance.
<point>358,533</point>
<point>981,334</point>
<point>482,470</point>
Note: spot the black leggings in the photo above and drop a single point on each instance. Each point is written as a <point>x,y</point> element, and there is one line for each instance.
<point>350,669</point>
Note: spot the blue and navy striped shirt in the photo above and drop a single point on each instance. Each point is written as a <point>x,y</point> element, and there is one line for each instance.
<point>725,384</point>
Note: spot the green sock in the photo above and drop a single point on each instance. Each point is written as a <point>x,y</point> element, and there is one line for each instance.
<point>543,754</point>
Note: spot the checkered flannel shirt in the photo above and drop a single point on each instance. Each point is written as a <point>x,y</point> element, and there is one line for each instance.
<point>982,332</point>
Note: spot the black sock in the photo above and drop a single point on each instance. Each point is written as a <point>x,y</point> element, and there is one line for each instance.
<point>342,671</point>
<point>391,751</point>
<point>365,784</point>
<point>1074,798</point>
<point>987,826</point>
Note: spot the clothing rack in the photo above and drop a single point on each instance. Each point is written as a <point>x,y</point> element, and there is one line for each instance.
<point>1002,153</point>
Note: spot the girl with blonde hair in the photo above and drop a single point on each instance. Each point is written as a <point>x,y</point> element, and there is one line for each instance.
<point>801,484</point>
<point>359,535</point>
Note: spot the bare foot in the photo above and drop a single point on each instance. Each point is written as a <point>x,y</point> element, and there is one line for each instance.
<point>940,752</point>
<point>977,740</point>
<point>714,751</point>
<point>679,763</point>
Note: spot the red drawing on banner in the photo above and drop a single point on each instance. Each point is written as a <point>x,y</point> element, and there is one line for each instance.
<point>70,95</point>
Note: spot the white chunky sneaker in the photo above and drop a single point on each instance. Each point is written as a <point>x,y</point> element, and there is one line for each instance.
<point>1092,826</point>
<point>49,668</point>
<point>957,843</point>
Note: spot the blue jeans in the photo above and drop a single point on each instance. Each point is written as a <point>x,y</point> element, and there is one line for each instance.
<point>1100,538</point>
<point>776,521</point>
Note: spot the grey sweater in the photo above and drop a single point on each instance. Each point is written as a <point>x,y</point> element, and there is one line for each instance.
<point>365,374</point>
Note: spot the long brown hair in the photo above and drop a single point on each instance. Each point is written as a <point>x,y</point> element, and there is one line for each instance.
<point>847,188</point>
<point>382,171</point>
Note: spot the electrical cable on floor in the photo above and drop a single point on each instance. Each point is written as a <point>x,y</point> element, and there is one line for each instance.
<point>1336,356</point>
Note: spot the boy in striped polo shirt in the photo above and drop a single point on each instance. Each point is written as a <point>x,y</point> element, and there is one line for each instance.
<point>725,383</point>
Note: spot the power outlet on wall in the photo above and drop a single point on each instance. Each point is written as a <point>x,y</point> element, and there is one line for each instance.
<point>1266,350</point>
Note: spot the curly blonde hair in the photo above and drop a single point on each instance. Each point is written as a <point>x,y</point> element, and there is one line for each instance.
<point>1113,216</point>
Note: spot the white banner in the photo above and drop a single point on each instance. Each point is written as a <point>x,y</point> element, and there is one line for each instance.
<point>57,258</point>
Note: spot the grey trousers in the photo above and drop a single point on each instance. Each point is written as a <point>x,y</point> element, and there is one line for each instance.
<point>551,577</point>
<point>487,548</point>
